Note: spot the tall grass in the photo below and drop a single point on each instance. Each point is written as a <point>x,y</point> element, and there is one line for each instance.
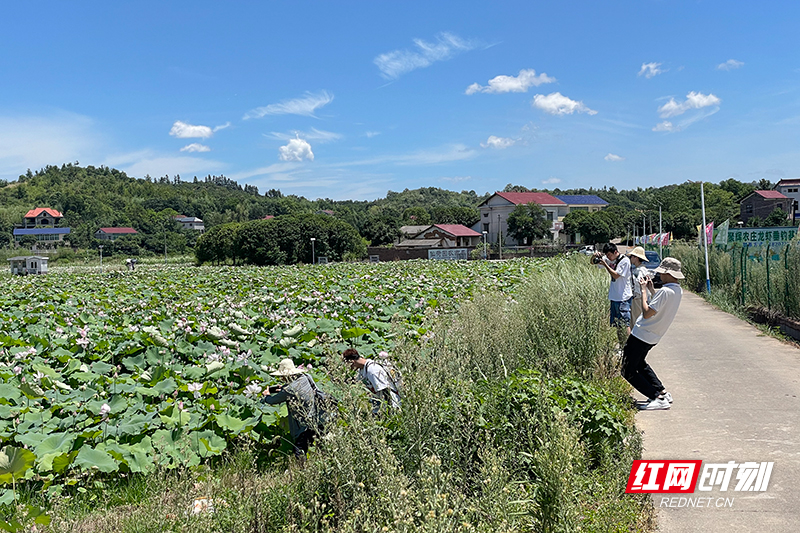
<point>739,276</point>
<point>511,421</point>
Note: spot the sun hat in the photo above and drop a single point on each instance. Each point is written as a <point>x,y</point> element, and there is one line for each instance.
<point>286,368</point>
<point>670,266</point>
<point>638,252</point>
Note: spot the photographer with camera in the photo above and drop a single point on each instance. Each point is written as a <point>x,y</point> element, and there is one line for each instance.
<point>620,292</point>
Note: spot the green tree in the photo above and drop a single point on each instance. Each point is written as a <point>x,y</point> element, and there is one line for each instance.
<point>416,216</point>
<point>592,227</point>
<point>528,223</point>
<point>380,230</point>
<point>778,217</point>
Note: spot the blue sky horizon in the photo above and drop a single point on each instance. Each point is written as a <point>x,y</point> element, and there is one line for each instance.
<point>348,100</point>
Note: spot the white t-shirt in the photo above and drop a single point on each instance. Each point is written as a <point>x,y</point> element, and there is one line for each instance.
<point>620,289</point>
<point>665,303</point>
<point>637,273</point>
<point>376,379</point>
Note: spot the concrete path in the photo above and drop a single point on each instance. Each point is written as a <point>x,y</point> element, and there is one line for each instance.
<point>737,398</point>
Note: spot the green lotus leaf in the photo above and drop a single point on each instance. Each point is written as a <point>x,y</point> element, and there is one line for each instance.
<point>101,367</point>
<point>6,497</point>
<point>208,443</point>
<point>90,458</point>
<point>14,463</point>
<point>31,390</point>
<point>214,366</point>
<point>230,423</point>
<point>56,443</point>
<point>353,333</point>
<point>9,392</point>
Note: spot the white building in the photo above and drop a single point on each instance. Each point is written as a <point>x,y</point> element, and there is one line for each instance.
<point>791,189</point>
<point>495,210</point>
<point>192,223</point>
<point>28,264</point>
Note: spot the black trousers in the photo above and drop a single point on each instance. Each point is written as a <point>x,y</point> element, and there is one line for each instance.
<point>636,370</point>
<point>302,442</point>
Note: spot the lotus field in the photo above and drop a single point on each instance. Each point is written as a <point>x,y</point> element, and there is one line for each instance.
<point>113,373</point>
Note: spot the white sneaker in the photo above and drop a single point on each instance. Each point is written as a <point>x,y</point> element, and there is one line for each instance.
<point>659,404</point>
<point>668,397</point>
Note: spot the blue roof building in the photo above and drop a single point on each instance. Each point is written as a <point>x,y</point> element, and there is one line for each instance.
<point>41,234</point>
<point>591,202</point>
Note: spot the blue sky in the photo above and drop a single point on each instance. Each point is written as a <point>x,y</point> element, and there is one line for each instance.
<point>341,99</point>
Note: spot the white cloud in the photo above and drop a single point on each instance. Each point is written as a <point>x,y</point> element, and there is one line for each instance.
<point>222,127</point>
<point>614,158</point>
<point>195,147</point>
<point>452,152</point>
<point>649,70</point>
<point>511,84</point>
<point>498,143</point>
<point>686,121</point>
<point>665,126</point>
<point>558,104</point>
<point>371,134</point>
<point>551,181</point>
<point>694,100</point>
<point>313,135</point>
<point>457,179</point>
<point>398,62</point>
<point>34,142</point>
<point>296,150</point>
<point>730,65</point>
<point>182,130</point>
<point>304,106</point>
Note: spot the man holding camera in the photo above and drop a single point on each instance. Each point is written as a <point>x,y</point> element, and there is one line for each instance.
<point>620,292</point>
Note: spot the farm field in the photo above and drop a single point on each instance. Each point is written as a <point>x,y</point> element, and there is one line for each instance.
<point>127,375</point>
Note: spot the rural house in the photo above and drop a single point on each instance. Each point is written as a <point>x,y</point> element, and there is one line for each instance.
<point>41,216</point>
<point>112,234</point>
<point>192,223</point>
<point>443,236</point>
<point>495,210</point>
<point>28,264</point>
<point>791,189</point>
<point>761,204</point>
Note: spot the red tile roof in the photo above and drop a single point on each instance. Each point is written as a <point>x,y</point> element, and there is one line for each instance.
<point>792,181</point>
<point>458,230</point>
<point>118,230</point>
<point>33,213</point>
<point>771,195</point>
<point>541,198</point>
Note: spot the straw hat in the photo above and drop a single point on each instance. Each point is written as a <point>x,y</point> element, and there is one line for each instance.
<point>671,266</point>
<point>638,252</point>
<point>286,368</point>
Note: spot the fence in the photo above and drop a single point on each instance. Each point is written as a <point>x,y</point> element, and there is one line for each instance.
<point>767,277</point>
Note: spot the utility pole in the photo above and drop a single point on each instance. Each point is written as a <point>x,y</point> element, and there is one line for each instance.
<point>312,249</point>
<point>660,236</point>
<point>705,236</point>
<point>101,258</point>
<point>499,238</point>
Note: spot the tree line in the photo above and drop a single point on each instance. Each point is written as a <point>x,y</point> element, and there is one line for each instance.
<point>93,197</point>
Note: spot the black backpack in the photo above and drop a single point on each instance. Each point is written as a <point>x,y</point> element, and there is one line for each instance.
<point>326,407</point>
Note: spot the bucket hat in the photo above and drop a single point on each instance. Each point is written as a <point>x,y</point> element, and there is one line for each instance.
<point>638,252</point>
<point>286,368</point>
<point>671,266</point>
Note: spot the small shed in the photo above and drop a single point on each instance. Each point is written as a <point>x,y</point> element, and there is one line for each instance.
<point>28,264</point>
